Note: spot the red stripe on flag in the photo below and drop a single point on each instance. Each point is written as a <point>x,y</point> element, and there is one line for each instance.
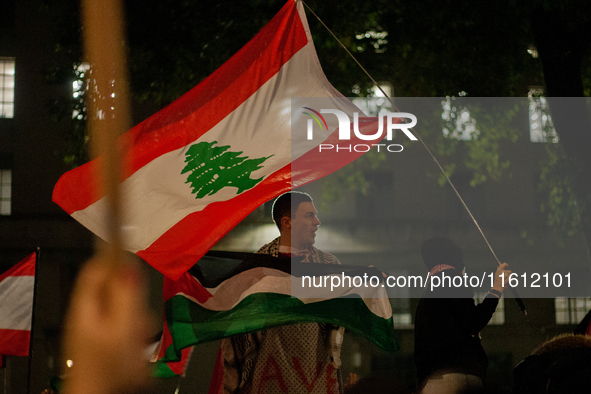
<point>166,340</point>
<point>281,38</point>
<point>186,284</point>
<point>216,385</point>
<point>173,254</point>
<point>195,113</point>
<point>25,267</point>
<point>15,342</point>
<point>177,367</point>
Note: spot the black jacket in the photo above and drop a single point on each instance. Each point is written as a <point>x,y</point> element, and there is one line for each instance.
<point>447,326</point>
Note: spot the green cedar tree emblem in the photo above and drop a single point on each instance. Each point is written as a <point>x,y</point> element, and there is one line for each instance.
<point>212,168</point>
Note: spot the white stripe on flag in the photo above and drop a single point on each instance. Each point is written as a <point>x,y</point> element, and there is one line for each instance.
<point>232,291</point>
<point>16,306</point>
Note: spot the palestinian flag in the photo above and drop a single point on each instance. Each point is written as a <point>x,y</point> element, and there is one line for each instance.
<point>199,166</point>
<point>17,287</point>
<point>232,293</point>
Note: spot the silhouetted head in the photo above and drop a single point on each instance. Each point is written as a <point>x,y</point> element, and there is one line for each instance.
<point>438,250</point>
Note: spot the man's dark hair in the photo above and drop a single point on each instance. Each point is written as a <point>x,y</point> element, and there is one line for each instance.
<point>286,205</point>
<point>437,250</point>
<point>560,365</point>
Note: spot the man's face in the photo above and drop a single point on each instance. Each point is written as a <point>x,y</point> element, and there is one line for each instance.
<point>304,224</point>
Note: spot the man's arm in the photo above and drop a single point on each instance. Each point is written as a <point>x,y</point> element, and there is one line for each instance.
<point>475,317</point>
<point>501,281</point>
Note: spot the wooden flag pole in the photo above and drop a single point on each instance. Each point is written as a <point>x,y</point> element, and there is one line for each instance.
<point>515,295</point>
<point>109,293</point>
<point>108,112</point>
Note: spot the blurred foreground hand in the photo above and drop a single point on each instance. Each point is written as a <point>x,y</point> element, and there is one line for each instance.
<point>350,381</point>
<point>107,330</point>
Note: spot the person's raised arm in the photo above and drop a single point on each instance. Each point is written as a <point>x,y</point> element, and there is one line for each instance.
<point>501,281</point>
<point>107,330</point>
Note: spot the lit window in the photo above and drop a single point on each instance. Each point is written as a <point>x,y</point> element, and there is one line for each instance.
<point>81,84</point>
<point>400,302</point>
<point>377,39</point>
<point>533,51</point>
<point>498,318</point>
<point>78,89</point>
<point>401,313</point>
<point>458,123</point>
<point>373,104</point>
<point>402,319</point>
<point>571,310</point>
<point>386,87</point>
<point>5,191</point>
<point>540,122</point>
<point>7,68</point>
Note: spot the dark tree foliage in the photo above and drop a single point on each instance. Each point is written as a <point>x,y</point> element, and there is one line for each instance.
<point>424,48</point>
<point>561,31</point>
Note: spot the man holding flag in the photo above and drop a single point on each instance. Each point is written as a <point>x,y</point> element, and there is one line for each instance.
<point>195,169</point>
<point>448,354</point>
<point>300,358</point>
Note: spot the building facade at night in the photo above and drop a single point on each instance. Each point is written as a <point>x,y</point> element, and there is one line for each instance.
<point>385,227</point>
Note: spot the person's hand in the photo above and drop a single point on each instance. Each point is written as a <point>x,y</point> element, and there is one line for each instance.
<point>383,273</point>
<point>351,380</point>
<point>501,281</point>
<point>107,330</point>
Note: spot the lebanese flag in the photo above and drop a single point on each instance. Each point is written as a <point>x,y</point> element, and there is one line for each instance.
<point>17,287</point>
<point>226,294</point>
<point>199,166</point>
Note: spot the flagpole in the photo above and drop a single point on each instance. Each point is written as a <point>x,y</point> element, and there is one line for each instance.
<point>184,374</point>
<point>109,116</point>
<point>178,385</point>
<point>515,294</point>
<point>37,255</point>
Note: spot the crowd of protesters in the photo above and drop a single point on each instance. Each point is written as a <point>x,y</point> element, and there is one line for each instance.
<point>108,342</point>
<point>108,329</point>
